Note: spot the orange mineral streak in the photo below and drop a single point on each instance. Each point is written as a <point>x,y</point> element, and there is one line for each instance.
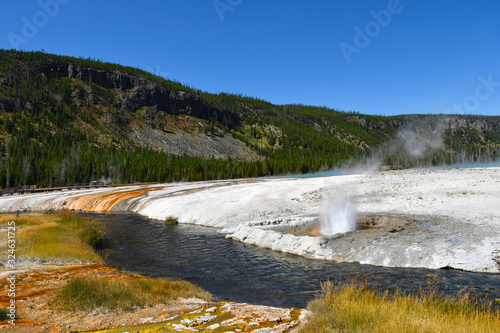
<point>35,286</point>
<point>314,231</point>
<point>38,283</point>
<point>30,323</point>
<point>4,301</point>
<point>104,202</point>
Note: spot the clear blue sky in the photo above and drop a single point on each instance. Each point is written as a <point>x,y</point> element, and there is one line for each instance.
<point>426,58</point>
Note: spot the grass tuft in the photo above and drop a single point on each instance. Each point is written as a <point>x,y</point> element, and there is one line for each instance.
<point>87,293</point>
<point>171,220</point>
<point>56,237</point>
<point>4,314</point>
<point>354,308</point>
<point>90,231</point>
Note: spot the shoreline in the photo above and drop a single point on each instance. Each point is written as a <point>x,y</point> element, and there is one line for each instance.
<point>40,294</point>
<point>465,199</point>
<point>37,282</point>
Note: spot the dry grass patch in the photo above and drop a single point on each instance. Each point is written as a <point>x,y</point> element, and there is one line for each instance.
<point>62,237</point>
<point>28,219</point>
<point>353,308</point>
<point>6,218</point>
<point>88,293</point>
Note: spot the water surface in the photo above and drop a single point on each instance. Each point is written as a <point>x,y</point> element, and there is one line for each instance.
<point>242,273</point>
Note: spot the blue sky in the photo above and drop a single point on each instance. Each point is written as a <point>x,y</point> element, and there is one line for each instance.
<point>396,57</point>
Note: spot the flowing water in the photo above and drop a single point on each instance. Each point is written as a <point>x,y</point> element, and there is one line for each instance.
<point>237,272</point>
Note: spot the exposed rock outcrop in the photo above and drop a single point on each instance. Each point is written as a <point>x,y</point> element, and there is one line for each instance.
<point>142,92</point>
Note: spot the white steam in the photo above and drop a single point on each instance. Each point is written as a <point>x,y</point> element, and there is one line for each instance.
<point>419,141</point>
<point>337,213</point>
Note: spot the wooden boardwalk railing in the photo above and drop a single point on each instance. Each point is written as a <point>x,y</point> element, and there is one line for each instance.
<point>33,189</point>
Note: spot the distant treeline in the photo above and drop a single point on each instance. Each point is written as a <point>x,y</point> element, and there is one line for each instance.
<point>56,131</point>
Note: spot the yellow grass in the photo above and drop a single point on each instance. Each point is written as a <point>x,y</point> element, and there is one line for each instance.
<point>351,308</point>
<point>50,237</point>
<point>5,218</point>
<point>28,219</point>
<point>87,293</point>
<point>64,237</point>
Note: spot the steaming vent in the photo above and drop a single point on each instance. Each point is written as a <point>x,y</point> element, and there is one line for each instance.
<point>337,214</point>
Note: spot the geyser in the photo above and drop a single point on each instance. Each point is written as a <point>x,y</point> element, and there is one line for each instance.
<point>337,213</point>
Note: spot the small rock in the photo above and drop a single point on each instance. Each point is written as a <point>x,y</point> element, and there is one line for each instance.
<point>227,307</point>
<point>213,327</point>
<point>145,320</point>
<point>171,318</point>
<point>211,309</point>
<point>182,327</point>
<point>264,330</point>
<point>204,319</point>
<point>304,314</point>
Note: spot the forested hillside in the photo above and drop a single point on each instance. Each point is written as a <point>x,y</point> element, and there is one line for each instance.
<point>69,120</point>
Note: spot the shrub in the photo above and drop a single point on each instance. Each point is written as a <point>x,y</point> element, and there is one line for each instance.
<point>171,220</point>
<point>90,232</point>
<point>355,308</point>
<point>88,293</point>
<point>3,315</point>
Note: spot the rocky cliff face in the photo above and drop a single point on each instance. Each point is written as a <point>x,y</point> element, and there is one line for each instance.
<point>138,97</point>
<point>142,92</point>
<point>454,122</point>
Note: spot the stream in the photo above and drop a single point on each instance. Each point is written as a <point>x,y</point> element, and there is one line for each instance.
<point>234,271</point>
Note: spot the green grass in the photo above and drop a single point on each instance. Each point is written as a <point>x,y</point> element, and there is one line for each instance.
<point>90,231</point>
<point>62,237</point>
<point>67,237</point>
<point>171,221</point>
<point>86,293</point>
<point>354,308</point>
<point>3,315</point>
